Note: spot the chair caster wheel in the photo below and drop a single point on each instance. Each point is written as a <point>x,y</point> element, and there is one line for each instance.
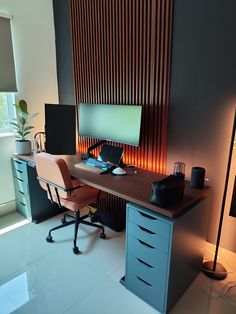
<point>102,235</point>
<point>76,250</point>
<point>49,239</point>
<point>63,221</point>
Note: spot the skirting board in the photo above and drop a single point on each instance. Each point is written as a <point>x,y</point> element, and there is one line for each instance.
<point>7,208</point>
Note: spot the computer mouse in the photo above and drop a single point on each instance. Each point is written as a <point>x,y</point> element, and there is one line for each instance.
<point>119,171</point>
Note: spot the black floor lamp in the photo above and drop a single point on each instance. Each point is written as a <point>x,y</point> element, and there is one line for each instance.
<point>213,269</point>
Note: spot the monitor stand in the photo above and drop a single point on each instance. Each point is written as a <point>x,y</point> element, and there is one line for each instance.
<point>89,154</point>
<point>122,164</point>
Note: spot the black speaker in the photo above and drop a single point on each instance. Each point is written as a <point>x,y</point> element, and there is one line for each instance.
<point>197,177</point>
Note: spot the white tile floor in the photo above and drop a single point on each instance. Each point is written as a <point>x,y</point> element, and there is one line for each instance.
<point>40,277</point>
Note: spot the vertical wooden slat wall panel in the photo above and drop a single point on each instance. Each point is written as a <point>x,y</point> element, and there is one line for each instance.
<point>121,55</point>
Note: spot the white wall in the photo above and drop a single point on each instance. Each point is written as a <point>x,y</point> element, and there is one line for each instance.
<point>35,62</point>
<point>35,55</point>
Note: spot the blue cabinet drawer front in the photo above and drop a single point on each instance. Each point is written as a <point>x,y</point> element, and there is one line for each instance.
<point>149,237</point>
<point>23,206</point>
<point>19,169</point>
<point>149,273</point>
<point>151,294</point>
<point>148,220</point>
<point>147,253</point>
<point>21,186</point>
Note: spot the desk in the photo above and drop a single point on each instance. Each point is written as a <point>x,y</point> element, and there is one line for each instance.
<point>132,187</point>
<point>164,246</point>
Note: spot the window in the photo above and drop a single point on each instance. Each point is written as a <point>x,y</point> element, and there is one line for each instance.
<point>7,76</point>
<point>7,111</point>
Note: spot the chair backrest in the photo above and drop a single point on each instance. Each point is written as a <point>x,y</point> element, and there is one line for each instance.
<point>55,170</point>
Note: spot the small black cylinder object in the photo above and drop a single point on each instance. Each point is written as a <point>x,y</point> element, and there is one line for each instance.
<point>197,177</point>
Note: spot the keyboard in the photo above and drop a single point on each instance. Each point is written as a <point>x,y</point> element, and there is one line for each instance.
<point>95,164</point>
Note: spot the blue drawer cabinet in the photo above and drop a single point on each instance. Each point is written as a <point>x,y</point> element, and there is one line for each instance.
<point>147,219</point>
<point>19,170</point>
<point>150,237</point>
<point>150,293</point>
<point>23,206</point>
<point>147,253</point>
<point>31,199</point>
<point>163,256</point>
<point>147,262</point>
<point>149,273</point>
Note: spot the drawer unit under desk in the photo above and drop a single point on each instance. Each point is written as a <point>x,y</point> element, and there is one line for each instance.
<point>31,200</point>
<point>23,206</point>
<point>19,169</point>
<point>147,253</point>
<point>148,220</point>
<point>146,291</point>
<point>150,274</point>
<point>148,242</point>
<point>21,187</point>
<point>149,237</point>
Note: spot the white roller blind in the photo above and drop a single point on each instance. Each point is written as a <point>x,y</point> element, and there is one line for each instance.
<point>7,66</point>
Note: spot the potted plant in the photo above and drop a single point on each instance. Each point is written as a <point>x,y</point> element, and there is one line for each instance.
<point>22,128</point>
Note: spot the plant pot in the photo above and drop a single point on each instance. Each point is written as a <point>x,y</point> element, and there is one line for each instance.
<point>23,147</point>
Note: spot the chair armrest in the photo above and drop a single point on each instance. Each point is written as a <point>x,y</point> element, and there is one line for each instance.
<point>58,186</point>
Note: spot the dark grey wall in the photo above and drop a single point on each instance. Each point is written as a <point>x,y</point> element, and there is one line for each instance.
<point>203,86</point>
<point>63,51</point>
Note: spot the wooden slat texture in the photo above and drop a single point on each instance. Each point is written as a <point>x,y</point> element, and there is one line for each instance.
<point>121,55</point>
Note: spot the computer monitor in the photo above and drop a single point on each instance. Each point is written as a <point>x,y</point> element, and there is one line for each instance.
<point>116,123</point>
<point>60,129</point>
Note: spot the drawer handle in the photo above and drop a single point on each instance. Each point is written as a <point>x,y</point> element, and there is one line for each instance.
<point>142,262</point>
<point>17,162</point>
<point>20,179</point>
<point>145,244</point>
<point>19,171</point>
<point>146,283</point>
<point>146,230</point>
<point>147,216</point>
<point>21,192</point>
<point>22,204</point>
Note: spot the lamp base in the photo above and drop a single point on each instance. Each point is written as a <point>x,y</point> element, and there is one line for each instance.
<point>219,273</point>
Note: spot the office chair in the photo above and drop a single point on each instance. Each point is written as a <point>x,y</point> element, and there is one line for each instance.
<point>54,177</point>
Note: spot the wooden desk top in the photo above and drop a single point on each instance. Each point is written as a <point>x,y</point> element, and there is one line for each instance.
<point>135,186</point>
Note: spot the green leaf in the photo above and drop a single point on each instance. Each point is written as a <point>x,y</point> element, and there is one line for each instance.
<point>22,121</point>
<point>17,106</point>
<point>28,128</point>
<point>23,105</point>
<point>25,133</point>
<point>14,124</point>
<point>32,116</point>
<point>23,114</point>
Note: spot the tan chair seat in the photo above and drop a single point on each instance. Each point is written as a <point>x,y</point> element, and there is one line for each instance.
<point>79,198</point>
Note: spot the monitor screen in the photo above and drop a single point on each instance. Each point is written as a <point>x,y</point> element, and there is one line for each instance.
<point>117,123</point>
<point>60,129</point>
